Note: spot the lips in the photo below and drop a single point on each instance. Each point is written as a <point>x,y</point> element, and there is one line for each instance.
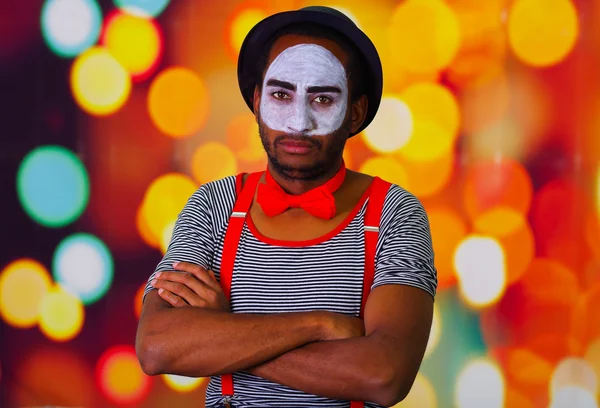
<point>295,147</point>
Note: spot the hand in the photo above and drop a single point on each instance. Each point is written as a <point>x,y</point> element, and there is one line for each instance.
<point>340,326</point>
<point>191,285</point>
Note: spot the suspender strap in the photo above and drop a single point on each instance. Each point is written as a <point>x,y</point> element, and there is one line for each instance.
<point>237,219</point>
<point>379,189</point>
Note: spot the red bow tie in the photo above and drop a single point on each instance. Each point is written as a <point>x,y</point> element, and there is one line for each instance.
<point>318,202</point>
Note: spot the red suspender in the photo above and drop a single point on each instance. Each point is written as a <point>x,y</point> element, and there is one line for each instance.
<point>232,238</point>
<point>379,189</point>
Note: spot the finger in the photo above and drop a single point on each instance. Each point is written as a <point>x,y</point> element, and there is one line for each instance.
<point>183,278</point>
<point>199,272</point>
<point>177,288</point>
<point>171,298</point>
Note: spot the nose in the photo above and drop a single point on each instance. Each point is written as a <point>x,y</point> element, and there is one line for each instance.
<point>300,120</point>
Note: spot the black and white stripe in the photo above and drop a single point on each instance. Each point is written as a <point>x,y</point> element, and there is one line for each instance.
<point>278,278</point>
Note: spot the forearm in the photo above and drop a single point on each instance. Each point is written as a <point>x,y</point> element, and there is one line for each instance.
<point>356,369</point>
<point>200,342</point>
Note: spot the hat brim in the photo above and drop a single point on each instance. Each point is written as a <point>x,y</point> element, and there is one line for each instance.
<point>254,43</point>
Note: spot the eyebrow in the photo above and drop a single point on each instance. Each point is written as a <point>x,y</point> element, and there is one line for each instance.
<point>282,84</point>
<point>312,89</point>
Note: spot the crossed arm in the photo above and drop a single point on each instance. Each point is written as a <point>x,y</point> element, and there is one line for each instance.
<point>187,329</point>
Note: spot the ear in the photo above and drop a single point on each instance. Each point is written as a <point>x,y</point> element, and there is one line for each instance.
<point>256,102</point>
<point>359,113</point>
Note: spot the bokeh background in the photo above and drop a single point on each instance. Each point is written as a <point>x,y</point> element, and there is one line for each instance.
<point>113,113</point>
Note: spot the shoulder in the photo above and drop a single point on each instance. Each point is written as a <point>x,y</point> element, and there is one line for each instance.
<point>218,195</point>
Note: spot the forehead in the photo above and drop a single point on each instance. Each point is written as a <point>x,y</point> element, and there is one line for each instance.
<point>286,41</point>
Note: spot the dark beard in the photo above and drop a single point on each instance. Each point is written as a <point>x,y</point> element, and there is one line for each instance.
<point>321,167</point>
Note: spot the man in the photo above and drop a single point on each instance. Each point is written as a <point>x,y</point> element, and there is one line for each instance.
<point>265,284</point>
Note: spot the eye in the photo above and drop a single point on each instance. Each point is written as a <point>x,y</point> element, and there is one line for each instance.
<point>323,100</point>
<point>280,95</point>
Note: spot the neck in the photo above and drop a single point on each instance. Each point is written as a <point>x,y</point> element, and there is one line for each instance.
<point>293,185</point>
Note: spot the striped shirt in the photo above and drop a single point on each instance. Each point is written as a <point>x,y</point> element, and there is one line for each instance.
<point>272,276</point>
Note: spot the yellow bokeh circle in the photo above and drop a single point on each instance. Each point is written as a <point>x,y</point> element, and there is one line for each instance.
<point>61,314</point>
<point>120,376</point>
<point>164,200</point>
<point>180,383</point>
<point>213,161</point>
<point>428,142</point>
<point>421,395</point>
<point>391,128</point>
<point>387,168</point>
<point>542,32</point>
<point>134,41</point>
<point>23,285</point>
<point>431,102</point>
<point>99,82</point>
<point>166,236</point>
<point>178,102</point>
<point>241,24</point>
<point>424,35</point>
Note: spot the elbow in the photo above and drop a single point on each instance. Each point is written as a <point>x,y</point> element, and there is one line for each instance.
<point>389,387</point>
<point>149,355</point>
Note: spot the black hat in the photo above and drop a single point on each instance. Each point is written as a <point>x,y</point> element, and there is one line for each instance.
<point>254,44</point>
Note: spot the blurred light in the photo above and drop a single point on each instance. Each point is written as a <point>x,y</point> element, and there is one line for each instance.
<point>511,229</point>
<point>435,332</point>
<point>83,264</point>
<point>386,168</point>
<point>573,397</point>
<point>137,300</point>
<point>483,48</point>
<point>99,82</point>
<point>421,395</point>
<point>136,42</point>
<point>542,32</point>
<point>486,102</point>
<point>144,8</point>
<point>240,24</point>
<point>431,102</point>
<point>53,186</point>
<point>144,229</point>
<point>213,161</point>
<point>165,198</point>
<point>592,356</point>
<point>244,141</point>
<point>480,268</point>
<point>69,27</point>
<point>548,280</point>
<point>181,383</point>
<point>347,13</point>
<point>480,384</point>
<point>425,35</point>
<point>120,376</point>
<point>527,370</point>
<point>573,372</point>
<point>23,284</point>
<point>178,102</point>
<point>429,177</point>
<point>53,376</point>
<point>585,322</point>
<point>558,217</point>
<point>493,183</point>
<point>428,142</point>
<point>448,229</point>
<point>166,236</point>
<point>392,127</point>
<point>61,314</point>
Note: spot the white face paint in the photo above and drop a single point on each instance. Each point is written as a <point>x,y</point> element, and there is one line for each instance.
<point>305,91</point>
